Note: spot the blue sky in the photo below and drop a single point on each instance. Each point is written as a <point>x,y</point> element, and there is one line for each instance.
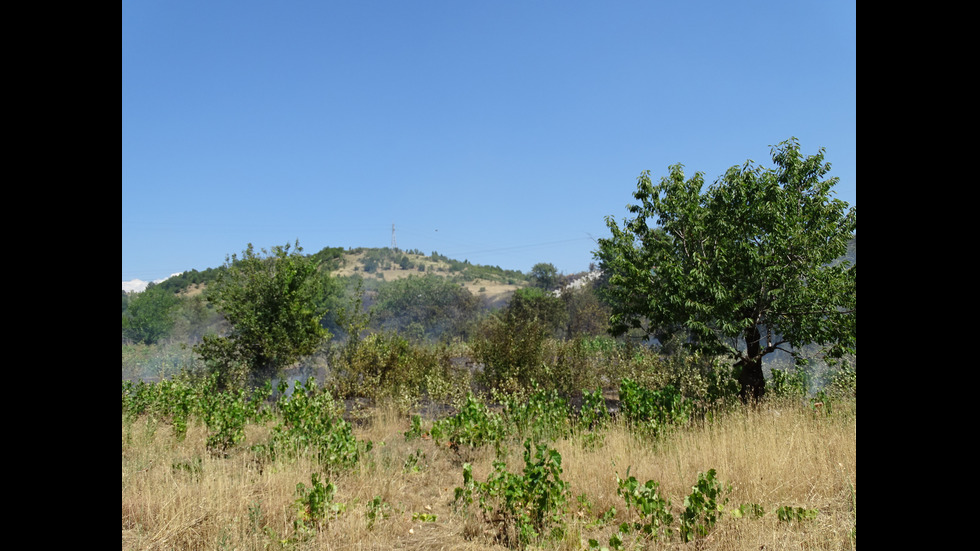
<point>499,132</point>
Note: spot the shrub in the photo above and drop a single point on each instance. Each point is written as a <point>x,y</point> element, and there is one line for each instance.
<point>473,426</point>
<point>538,415</point>
<point>522,508</point>
<point>702,507</point>
<point>310,423</point>
<point>653,411</point>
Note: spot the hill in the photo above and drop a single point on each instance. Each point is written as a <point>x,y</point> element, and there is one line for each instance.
<point>376,265</point>
<point>385,264</point>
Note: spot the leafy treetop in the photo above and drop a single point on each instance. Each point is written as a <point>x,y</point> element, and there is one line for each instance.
<point>746,267</point>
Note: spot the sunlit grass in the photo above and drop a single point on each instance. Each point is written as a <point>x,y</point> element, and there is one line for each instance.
<point>177,496</point>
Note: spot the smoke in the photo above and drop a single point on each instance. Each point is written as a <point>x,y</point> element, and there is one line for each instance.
<point>138,285</point>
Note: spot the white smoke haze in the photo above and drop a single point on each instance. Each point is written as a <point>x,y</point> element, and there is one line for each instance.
<point>138,285</point>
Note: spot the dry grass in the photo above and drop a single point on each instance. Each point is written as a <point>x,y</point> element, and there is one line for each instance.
<point>175,496</point>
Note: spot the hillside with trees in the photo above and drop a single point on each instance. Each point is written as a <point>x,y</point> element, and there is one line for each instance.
<point>406,400</point>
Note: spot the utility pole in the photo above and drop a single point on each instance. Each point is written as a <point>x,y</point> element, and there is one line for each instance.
<point>393,244</point>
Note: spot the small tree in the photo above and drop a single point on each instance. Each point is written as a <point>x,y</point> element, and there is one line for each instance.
<point>544,276</point>
<point>425,307</point>
<point>149,315</point>
<point>273,302</point>
<point>511,343</point>
<point>745,268</point>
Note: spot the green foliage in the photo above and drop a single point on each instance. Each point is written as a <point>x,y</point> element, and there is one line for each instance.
<point>425,308</point>
<point>588,316</point>
<point>180,282</point>
<point>655,412</point>
<point>544,276</point>
<point>745,509</point>
<point>173,401</point>
<point>702,507</point>
<point>843,383</point>
<point>377,509</point>
<point>474,426</point>
<point>512,345</point>
<point>310,424</point>
<point>353,320</point>
<point>387,366</point>
<point>538,415</point>
<point>648,503</point>
<point>315,504</point>
<point>797,514</point>
<point>273,303</point>
<point>753,260</point>
<point>795,384</point>
<point>149,315</point>
<point>182,399</point>
<point>523,508</point>
<point>227,413</point>
<point>533,306</point>
<point>415,431</point>
<point>594,413</point>
<point>416,462</point>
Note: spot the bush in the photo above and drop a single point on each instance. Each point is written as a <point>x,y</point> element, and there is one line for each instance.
<point>653,411</point>
<point>310,424</point>
<point>522,508</point>
<point>387,366</point>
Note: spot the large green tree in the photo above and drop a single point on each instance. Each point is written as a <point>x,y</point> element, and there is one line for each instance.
<point>274,303</point>
<point>747,267</point>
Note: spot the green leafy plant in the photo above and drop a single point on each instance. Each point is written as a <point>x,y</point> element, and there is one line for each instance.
<point>227,413</point>
<point>310,422</point>
<point>377,508</point>
<point>594,413</point>
<point>316,507</point>
<point>522,508</point>
<point>538,415</point>
<point>654,412</point>
<point>474,425</point>
<point>794,384</point>
<point>702,507</point>
<point>274,302</point>
<point>415,462</point>
<point>150,314</point>
<point>652,508</point>
<point>415,431</point>
<point>789,514</point>
<point>747,266</point>
<point>752,509</point>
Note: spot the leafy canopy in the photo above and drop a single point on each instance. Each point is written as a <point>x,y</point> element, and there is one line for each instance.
<point>746,266</point>
<point>149,315</point>
<point>425,307</point>
<point>544,276</point>
<point>274,303</point>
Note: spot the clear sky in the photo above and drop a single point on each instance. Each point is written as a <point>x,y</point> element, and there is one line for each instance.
<point>496,131</point>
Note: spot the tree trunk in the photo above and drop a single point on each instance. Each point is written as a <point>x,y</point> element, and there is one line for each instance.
<point>751,379</point>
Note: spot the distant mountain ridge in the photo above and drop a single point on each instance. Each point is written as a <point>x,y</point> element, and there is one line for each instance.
<point>386,264</point>
<point>138,285</point>
<point>380,264</point>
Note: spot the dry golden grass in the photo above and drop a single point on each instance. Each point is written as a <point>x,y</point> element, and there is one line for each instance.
<point>175,496</point>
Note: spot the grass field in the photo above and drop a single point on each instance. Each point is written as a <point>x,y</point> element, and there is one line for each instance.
<point>400,495</point>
